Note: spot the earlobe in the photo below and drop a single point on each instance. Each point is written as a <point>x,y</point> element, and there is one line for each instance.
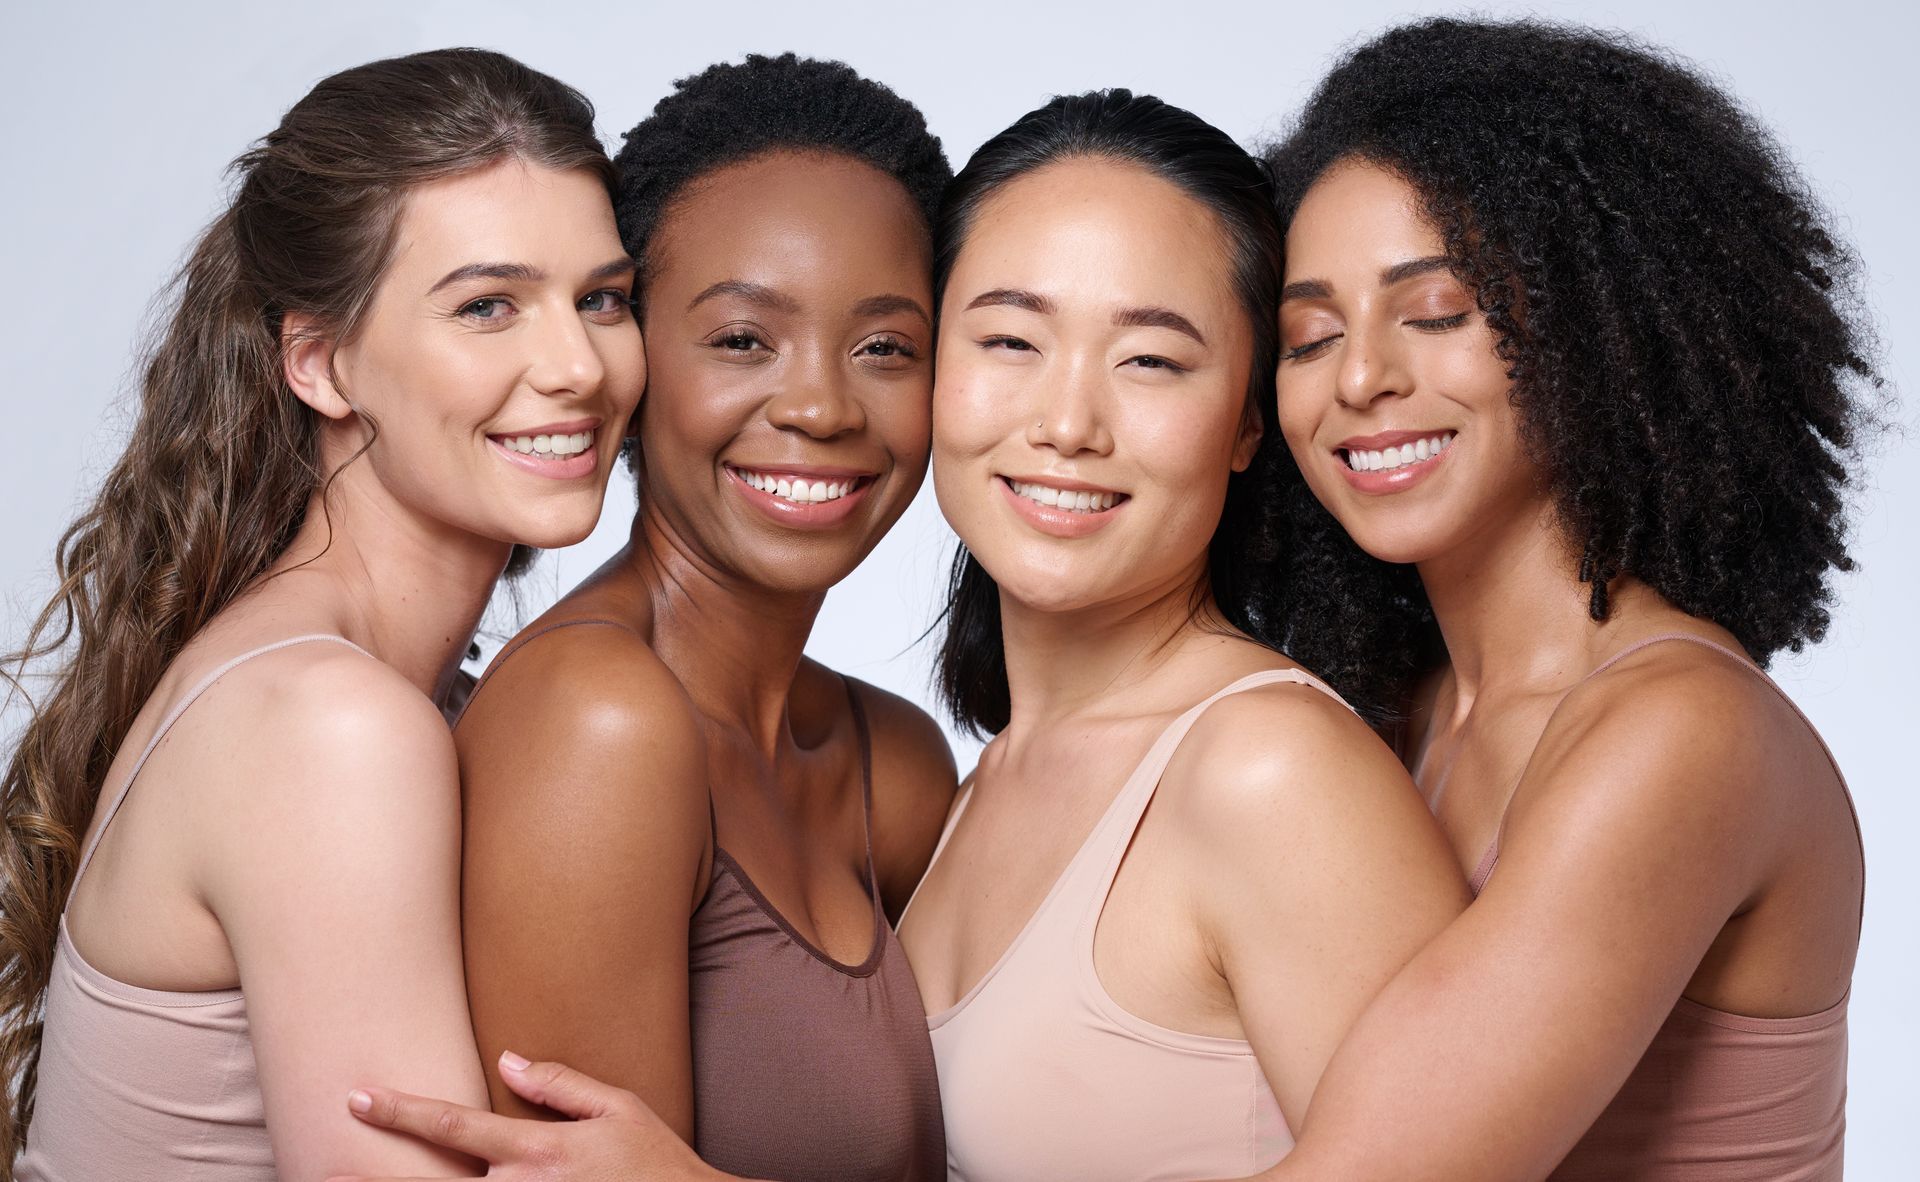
<point>307,362</point>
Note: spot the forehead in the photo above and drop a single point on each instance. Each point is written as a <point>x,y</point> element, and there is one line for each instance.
<point>508,211</point>
<point>797,219</point>
<point>1102,231</point>
<point>1356,214</point>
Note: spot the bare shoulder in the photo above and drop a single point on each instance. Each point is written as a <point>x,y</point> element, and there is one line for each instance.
<point>914,780</point>
<point>1282,753</point>
<point>1671,716</point>
<point>587,713</point>
<point>596,678</point>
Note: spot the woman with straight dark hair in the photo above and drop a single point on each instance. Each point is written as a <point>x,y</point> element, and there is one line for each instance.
<point>1182,865</point>
<point>231,865</point>
<point>1570,351</point>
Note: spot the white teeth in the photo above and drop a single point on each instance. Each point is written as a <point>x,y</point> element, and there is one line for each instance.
<point>800,492</point>
<point>548,446</point>
<point>1390,458</point>
<point>1071,501</point>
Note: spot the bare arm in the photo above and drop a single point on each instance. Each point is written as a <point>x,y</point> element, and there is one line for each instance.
<point>1634,837</point>
<point>1321,873</point>
<point>586,827</point>
<point>334,871</point>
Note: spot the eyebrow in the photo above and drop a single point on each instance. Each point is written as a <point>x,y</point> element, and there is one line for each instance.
<point>1013,297</point>
<point>887,305</point>
<point>1319,289</point>
<point>1153,317</point>
<point>1400,272</point>
<point>516,272</point>
<point>522,273</point>
<point>758,294</point>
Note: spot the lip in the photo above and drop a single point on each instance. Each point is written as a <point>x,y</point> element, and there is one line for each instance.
<point>1059,523</point>
<point>573,467</point>
<point>819,515</point>
<point>1397,480</point>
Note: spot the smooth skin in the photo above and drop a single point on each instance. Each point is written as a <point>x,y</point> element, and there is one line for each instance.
<point>788,318</point>
<point>1092,336</point>
<point>297,835</point>
<point>1672,828</point>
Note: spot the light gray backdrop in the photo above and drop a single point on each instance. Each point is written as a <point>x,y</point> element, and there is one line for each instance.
<point>121,117</point>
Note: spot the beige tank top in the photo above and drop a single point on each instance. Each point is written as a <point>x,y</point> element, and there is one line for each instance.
<point>1044,1075</point>
<point>142,1083</point>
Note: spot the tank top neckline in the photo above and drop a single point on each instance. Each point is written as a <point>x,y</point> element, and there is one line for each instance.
<point>724,861</point>
<point>1137,791</point>
<point>87,970</point>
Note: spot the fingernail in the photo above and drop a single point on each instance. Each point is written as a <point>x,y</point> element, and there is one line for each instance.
<point>359,1101</point>
<point>513,1062</point>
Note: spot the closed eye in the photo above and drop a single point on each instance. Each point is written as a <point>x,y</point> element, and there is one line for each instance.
<point>1439,323</point>
<point>1304,351</point>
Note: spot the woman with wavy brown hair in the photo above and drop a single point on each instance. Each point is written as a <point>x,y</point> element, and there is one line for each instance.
<point>404,349</point>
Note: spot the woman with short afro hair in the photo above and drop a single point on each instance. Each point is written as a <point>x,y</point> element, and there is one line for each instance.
<point>684,838</point>
<point>1569,350</point>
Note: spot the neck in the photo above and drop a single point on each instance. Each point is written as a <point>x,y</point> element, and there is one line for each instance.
<point>734,645</point>
<point>1066,663</point>
<point>1511,607</point>
<point>407,590</point>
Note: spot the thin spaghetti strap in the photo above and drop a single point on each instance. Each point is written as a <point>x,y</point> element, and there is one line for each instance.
<point>173,715</point>
<point>1491,858</point>
<point>864,737</point>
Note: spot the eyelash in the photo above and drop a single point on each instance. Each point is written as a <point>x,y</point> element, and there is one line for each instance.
<point>623,306</point>
<point>901,348</point>
<point>1437,324</point>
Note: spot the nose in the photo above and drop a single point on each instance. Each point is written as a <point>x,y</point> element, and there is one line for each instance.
<point>814,397</point>
<point>566,358</point>
<point>1372,365</point>
<point>1071,416</point>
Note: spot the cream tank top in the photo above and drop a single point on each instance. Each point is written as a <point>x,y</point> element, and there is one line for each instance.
<point>143,1083</point>
<point>1044,1075</point>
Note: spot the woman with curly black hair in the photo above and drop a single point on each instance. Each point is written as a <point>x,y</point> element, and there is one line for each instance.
<point>684,839</point>
<point>1566,347</point>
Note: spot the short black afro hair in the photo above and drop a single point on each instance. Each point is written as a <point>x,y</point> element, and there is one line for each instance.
<point>1689,357</point>
<point>729,113</point>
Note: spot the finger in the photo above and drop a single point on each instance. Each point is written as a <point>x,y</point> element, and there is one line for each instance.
<point>563,1089</point>
<point>451,1126</point>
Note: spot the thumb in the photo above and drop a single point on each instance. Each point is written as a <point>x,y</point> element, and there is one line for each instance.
<point>563,1089</point>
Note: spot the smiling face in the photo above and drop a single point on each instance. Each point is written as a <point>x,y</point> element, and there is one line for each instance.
<point>789,335</point>
<point>499,358</point>
<point>1392,399</point>
<point>1092,390</point>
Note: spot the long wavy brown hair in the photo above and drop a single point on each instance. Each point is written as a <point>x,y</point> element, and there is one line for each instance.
<point>223,462</point>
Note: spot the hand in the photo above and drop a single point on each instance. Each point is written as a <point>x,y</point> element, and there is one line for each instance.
<point>613,1136</point>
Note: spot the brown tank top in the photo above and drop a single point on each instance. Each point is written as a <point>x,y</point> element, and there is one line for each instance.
<point>804,1068</point>
<point>1720,1097</point>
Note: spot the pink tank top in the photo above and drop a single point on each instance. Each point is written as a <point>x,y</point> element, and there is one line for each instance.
<point>1721,1097</point>
<point>1044,1075</point>
<point>143,1083</point>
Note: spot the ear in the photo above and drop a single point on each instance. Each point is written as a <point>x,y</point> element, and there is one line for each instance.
<point>1248,442</point>
<point>307,361</point>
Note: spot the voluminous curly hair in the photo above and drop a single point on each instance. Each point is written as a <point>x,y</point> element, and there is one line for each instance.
<point>730,113</point>
<point>1688,354</point>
